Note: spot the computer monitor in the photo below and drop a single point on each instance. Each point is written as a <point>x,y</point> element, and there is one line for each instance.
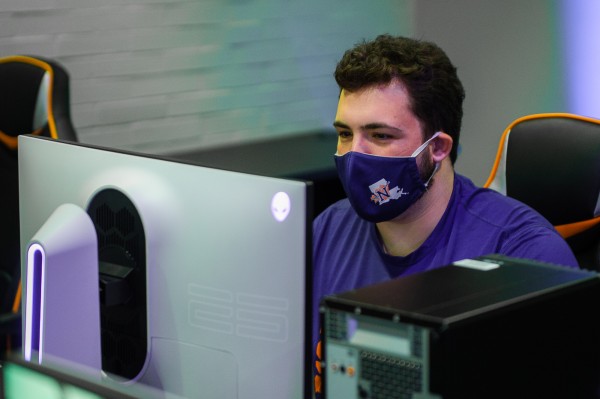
<point>204,274</point>
<point>57,379</point>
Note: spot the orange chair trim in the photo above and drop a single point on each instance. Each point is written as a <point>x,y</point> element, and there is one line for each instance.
<point>571,229</point>
<point>522,119</point>
<point>10,141</point>
<point>17,302</point>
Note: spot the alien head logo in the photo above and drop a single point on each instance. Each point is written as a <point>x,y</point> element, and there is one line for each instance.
<point>280,206</point>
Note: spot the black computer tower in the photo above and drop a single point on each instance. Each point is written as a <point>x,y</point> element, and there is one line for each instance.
<point>491,327</point>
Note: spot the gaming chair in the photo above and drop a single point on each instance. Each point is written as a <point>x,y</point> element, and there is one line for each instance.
<point>551,162</point>
<point>34,99</point>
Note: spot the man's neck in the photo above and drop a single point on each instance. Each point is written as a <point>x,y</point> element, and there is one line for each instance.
<point>404,234</point>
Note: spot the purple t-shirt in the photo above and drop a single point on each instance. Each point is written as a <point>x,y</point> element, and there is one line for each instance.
<point>347,253</point>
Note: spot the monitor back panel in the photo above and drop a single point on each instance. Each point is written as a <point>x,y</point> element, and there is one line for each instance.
<point>226,277</point>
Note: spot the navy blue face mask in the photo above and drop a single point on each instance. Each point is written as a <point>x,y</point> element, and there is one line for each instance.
<point>381,188</point>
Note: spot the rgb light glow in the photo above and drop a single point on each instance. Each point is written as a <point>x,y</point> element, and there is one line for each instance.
<point>34,316</point>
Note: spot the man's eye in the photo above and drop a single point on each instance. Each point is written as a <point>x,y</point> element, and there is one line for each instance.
<point>344,134</point>
<point>381,136</point>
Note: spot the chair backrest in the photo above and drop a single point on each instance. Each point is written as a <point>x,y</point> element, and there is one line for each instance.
<point>34,99</point>
<point>551,162</point>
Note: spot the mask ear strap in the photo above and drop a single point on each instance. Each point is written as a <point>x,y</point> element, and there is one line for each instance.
<point>435,169</point>
<point>424,145</point>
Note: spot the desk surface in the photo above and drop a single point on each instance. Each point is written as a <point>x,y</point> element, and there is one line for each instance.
<point>307,156</point>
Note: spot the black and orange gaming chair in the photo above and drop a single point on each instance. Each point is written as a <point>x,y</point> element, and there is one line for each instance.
<point>551,162</point>
<point>34,99</point>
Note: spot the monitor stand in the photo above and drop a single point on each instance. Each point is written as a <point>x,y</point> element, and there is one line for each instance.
<point>61,317</point>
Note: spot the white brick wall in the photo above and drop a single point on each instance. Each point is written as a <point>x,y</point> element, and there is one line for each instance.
<point>162,76</point>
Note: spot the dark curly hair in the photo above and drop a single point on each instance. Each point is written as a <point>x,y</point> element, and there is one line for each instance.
<point>422,67</point>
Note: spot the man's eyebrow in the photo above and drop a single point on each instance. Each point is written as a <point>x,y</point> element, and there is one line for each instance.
<point>368,126</point>
<point>341,125</point>
<point>372,126</point>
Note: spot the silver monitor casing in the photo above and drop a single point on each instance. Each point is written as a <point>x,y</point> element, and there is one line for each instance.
<point>226,280</point>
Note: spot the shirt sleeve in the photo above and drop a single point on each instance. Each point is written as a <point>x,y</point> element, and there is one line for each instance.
<point>541,244</point>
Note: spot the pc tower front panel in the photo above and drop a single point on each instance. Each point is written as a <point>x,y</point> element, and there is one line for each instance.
<point>492,327</point>
<point>368,357</point>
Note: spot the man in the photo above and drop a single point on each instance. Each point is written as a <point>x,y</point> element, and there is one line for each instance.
<point>398,121</point>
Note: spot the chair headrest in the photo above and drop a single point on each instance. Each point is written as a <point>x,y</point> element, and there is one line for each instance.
<point>551,162</point>
<point>34,99</point>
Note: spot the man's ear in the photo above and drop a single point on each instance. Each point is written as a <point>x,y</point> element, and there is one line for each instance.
<point>441,146</point>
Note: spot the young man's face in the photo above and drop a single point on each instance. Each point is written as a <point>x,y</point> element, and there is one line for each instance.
<point>377,121</point>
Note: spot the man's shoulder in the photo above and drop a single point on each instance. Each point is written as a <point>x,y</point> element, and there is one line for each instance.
<point>520,230</point>
<point>492,207</point>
